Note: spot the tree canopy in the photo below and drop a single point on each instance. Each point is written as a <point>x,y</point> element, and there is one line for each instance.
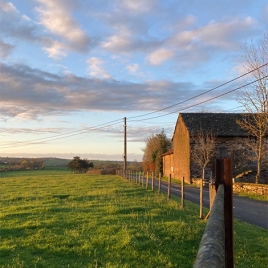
<point>80,165</point>
<point>156,146</point>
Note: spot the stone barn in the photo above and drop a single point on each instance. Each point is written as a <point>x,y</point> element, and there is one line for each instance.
<point>168,164</point>
<point>230,141</point>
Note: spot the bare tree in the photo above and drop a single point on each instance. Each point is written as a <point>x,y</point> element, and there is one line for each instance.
<point>254,99</point>
<point>203,151</point>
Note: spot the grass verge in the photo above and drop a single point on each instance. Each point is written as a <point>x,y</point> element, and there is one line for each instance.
<point>72,220</point>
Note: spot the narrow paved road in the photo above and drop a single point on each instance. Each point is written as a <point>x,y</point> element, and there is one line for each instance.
<point>245,209</point>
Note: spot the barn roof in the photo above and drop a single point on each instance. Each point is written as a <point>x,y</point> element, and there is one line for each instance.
<point>221,124</point>
<point>168,153</point>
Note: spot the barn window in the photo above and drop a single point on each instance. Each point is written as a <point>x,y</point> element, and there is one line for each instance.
<point>223,151</point>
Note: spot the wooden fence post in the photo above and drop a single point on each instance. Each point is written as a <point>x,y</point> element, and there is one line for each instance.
<point>159,183</point>
<point>182,193</point>
<point>147,178</point>
<point>201,194</point>
<point>169,185</point>
<point>152,181</point>
<point>212,194</point>
<point>224,176</point>
<point>142,183</point>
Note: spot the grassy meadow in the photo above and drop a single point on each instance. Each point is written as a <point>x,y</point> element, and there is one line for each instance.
<point>77,220</point>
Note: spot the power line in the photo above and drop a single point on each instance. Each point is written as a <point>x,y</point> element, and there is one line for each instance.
<point>200,93</point>
<point>62,136</point>
<point>201,102</point>
<point>97,127</point>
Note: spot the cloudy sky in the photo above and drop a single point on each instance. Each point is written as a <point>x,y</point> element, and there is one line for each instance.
<point>71,70</point>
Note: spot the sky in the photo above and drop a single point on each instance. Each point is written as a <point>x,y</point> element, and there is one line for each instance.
<point>71,70</point>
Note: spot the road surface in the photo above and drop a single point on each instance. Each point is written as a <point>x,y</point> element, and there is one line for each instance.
<point>245,209</point>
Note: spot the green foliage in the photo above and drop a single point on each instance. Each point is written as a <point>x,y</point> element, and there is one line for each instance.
<point>155,147</point>
<point>81,221</point>
<point>12,164</point>
<point>79,165</point>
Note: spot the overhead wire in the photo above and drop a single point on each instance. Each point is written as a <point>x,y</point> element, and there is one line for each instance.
<point>97,127</point>
<point>203,93</point>
<point>63,136</point>
<point>191,106</point>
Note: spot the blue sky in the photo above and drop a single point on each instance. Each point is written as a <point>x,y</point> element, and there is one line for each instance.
<point>70,67</point>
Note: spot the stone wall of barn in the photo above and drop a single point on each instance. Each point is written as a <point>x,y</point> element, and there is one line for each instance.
<point>237,149</point>
<point>168,165</point>
<point>181,151</point>
<point>232,147</point>
<point>239,152</point>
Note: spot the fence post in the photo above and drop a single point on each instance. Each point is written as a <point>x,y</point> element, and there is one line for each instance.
<point>201,194</point>
<point>152,181</point>
<point>212,194</point>
<point>159,183</point>
<point>142,179</point>
<point>169,185</point>
<point>182,193</point>
<point>147,178</point>
<point>224,175</point>
<point>139,178</point>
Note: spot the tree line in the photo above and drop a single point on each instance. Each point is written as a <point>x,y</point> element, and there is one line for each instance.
<point>21,164</point>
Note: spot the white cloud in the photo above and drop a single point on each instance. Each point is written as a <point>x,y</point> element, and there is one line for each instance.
<point>56,17</point>
<point>7,7</point>
<point>95,68</point>
<point>133,68</point>
<point>221,35</point>
<point>117,43</point>
<point>138,5</point>
<point>239,69</point>
<point>56,50</point>
<point>5,49</point>
<point>159,56</point>
<point>48,94</point>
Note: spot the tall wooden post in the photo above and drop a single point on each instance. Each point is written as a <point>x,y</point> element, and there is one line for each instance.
<point>147,178</point>
<point>125,147</point>
<point>159,184</point>
<point>142,179</point>
<point>152,181</point>
<point>224,176</point>
<point>169,186</point>
<point>201,194</point>
<point>182,193</point>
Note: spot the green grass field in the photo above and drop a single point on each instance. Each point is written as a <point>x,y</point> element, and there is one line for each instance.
<point>72,220</point>
<point>33,173</point>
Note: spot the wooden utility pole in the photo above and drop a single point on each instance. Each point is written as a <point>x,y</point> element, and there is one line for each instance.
<point>125,147</point>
